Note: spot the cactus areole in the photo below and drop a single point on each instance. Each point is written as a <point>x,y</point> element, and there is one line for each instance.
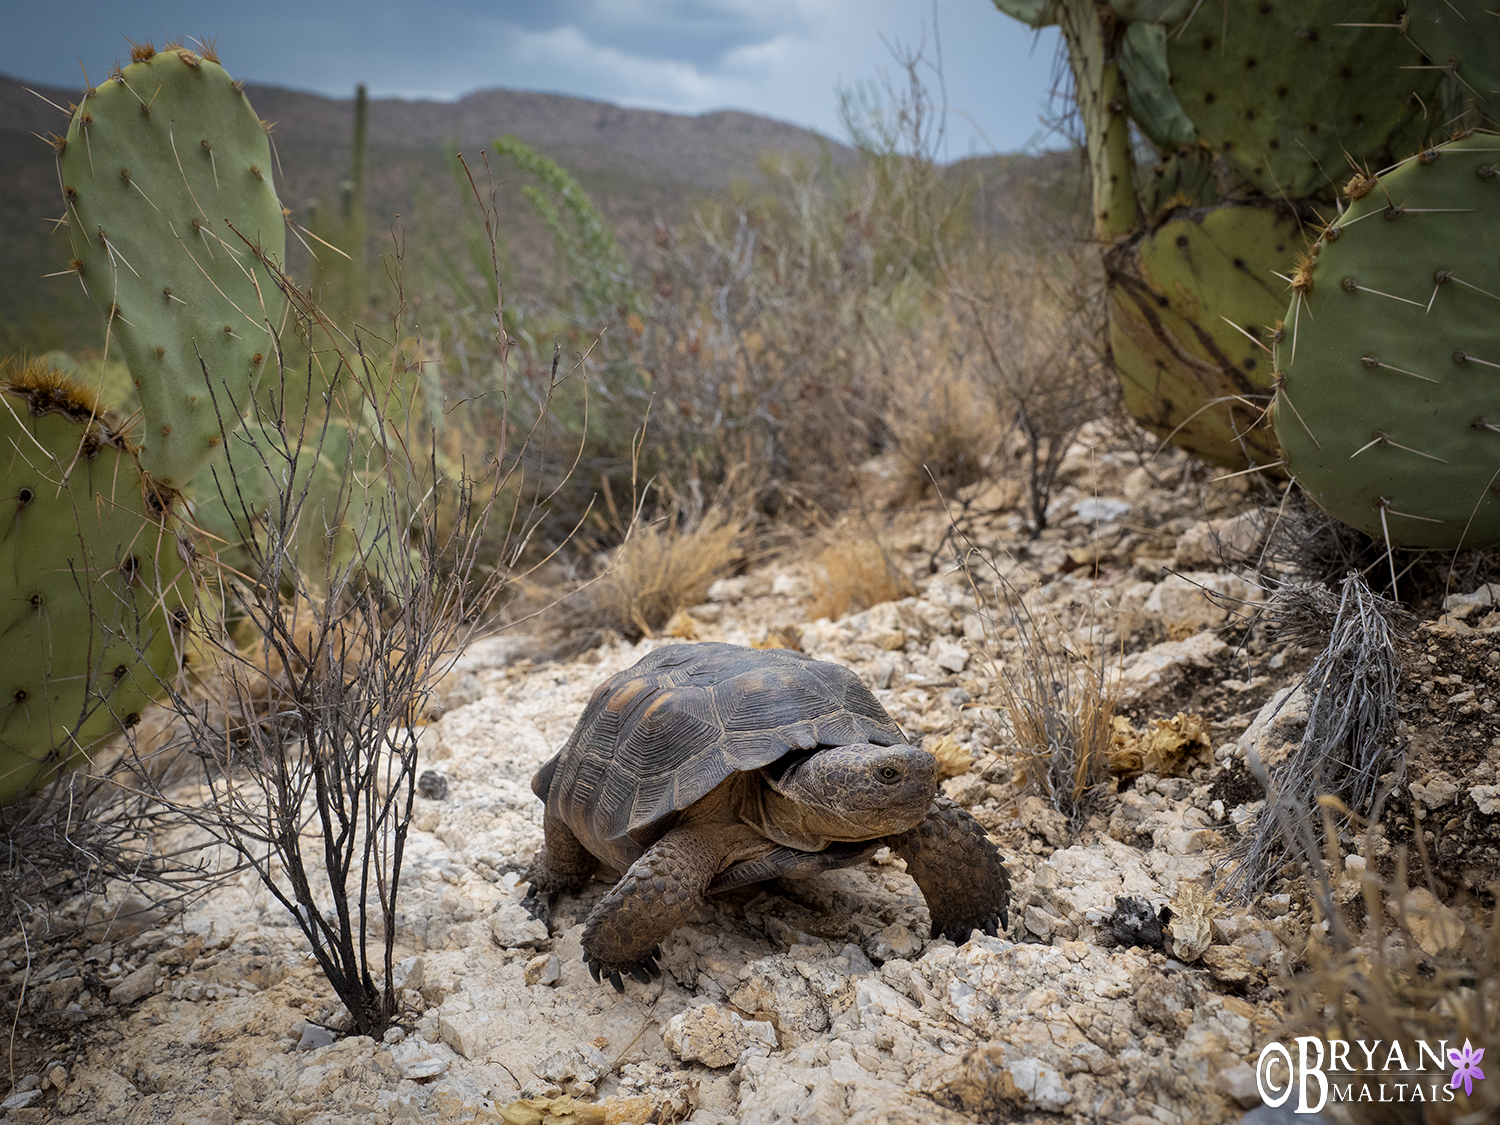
<point>1388,404</point>
<point>97,593</point>
<point>166,176</point>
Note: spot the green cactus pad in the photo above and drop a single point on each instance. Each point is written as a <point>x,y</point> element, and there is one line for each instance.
<point>1153,105</point>
<point>97,592</point>
<point>1284,90</point>
<point>341,471</point>
<point>1389,411</point>
<point>1033,13</point>
<point>1464,37</point>
<point>166,174</point>
<point>1185,371</point>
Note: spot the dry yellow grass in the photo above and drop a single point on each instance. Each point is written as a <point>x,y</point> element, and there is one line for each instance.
<point>852,573</point>
<point>1058,698</point>
<point>945,422</point>
<point>1062,714</point>
<point>661,568</point>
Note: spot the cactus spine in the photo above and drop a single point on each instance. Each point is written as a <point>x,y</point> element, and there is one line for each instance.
<point>1389,401</point>
<point>166,172</point>
<point>99,593</point>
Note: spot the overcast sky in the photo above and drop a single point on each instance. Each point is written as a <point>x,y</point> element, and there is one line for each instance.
<point>781,58</point>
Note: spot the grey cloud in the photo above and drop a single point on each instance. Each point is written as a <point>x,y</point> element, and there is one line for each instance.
<point>699,32</point>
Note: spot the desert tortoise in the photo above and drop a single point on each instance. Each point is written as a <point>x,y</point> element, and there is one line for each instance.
<point>709,766</point>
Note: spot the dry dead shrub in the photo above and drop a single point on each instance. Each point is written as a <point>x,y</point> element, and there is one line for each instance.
<point>1346,752</point>
<point>1040,341</point>
<point>662,566</point>
<point>1418,972</point>
<point>854,572</point>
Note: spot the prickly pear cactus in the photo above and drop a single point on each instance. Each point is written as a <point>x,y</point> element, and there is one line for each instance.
<point>1389,399</point>
<point>166,174</point>
<point>1187,372</point>
<point>97,590</point>
<point>1245,103</point>
<point>1285,90</point>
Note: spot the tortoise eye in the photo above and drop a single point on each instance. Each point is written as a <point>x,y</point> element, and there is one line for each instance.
<point>889,773</point>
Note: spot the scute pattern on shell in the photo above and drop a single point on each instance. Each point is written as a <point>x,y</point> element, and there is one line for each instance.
<point>661,735</point>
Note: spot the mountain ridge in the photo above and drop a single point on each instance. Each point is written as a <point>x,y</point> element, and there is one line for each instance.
<point>639,165</point>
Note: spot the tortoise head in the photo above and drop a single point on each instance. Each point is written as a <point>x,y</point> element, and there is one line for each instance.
<point>856,792</point>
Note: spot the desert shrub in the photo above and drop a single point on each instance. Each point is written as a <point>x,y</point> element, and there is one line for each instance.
<point>1038,325</point>
<point>787,332</point>
<point>784,329</point>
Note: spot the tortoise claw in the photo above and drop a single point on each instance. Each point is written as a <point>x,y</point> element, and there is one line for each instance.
<point>645,970</point>
<point>958,932</point>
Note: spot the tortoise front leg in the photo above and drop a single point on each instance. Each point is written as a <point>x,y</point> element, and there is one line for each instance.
<point>958,871</point>
<point>563,864</point>
<point>623,934</point>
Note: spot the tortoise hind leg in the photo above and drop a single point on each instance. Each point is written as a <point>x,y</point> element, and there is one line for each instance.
<point>958,871</point>
<point>623,934</point>
<point>563,864</point>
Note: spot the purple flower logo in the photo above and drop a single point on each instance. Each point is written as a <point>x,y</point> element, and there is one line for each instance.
<point>1466,1067</point>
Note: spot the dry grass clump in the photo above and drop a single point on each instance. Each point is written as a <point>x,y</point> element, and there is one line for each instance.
<point>945,424</point>
<point>1061,711</point>
<point>852,573</point>
<point>1058,699</point>
<point>661,567</point>
<point>1346,752</point>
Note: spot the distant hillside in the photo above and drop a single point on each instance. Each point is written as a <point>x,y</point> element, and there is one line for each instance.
<point>639,165</point>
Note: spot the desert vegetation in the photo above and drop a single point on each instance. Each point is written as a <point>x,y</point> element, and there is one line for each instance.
<point>1240,758</point>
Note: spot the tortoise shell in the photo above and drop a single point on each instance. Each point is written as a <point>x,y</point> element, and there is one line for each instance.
<point>665,732</point>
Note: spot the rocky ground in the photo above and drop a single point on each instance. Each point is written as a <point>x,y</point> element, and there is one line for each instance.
<point>821,1001</point>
